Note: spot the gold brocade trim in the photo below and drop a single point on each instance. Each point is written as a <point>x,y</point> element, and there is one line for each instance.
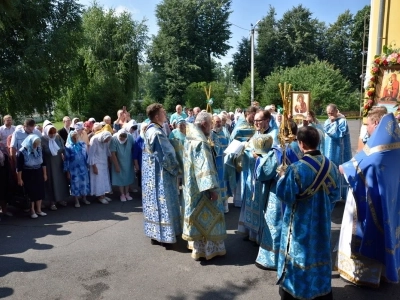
<point>201,255</point>
<point>311,192</point>
<point>391,251</point>
<point>369,200</point>
<point>357,266</point>
<point>214,238</point>
<point>368,151</point>
<point>318,264</point>
<point>351,279</point>
<point>206,173</point>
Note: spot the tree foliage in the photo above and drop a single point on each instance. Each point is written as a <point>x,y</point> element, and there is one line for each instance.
<point>242,60</point>
<point>195,94</point>
<point>38,40</point>
<point>326,84</point>
<point>191,33</point>
<point>107,68</point>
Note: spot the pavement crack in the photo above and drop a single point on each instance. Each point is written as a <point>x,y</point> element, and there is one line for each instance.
<point>93,233</point>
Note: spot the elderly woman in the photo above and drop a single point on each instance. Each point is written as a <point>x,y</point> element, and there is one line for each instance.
<point>53,154</point>
<point>95,129</point>
<point>31,172</point>
<point>98,161</point>
<point>82,134</point>
<point>122,175</point>
<point>120,121</point>
<point>74,121</point>
<point>75,164</point>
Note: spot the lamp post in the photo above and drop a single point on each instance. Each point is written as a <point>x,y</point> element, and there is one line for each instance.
<point>252,61</point>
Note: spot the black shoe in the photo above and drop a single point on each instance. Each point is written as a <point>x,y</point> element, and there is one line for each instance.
<point>246,238</point>
<point>200,259</point>
<point>155,242</point>
<point>260,266</point>
<point>167,246</point>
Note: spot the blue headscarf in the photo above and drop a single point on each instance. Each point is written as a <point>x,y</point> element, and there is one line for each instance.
<point>32,156</point>
<point>75,146</point>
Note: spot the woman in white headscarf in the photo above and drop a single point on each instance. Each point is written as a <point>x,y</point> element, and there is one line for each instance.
<point>98,161</point>
<point>56,187</point>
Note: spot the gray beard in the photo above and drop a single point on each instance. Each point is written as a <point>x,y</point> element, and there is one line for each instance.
<point>218,129</point>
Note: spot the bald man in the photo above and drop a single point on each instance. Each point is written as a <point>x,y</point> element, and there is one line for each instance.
<point>178,115</point>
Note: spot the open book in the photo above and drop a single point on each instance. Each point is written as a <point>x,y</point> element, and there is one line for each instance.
<point>235,147</point>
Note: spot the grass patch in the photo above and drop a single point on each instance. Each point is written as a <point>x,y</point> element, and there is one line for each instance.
<point>57,125</point>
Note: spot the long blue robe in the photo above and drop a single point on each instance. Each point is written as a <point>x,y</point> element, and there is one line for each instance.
<point>304,266</point>
<point>374,223</point>
<point>242,132</point>
<point>266,176</point>
<point>251,218</point>
<point>203,219</point>
<point>268,253</point>
<point>159,187</point>
<point>337,146</point>
<point>177,139</point>
<point>320,128</point>
<point>221,142</point>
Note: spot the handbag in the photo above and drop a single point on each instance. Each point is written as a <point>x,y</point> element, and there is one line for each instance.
<point>21,199</point>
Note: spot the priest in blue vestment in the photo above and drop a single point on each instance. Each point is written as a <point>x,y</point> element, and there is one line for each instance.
<point>251,219</point>
<point>309,190</point>
<point>220,139</point>
<point>159,181</point>
<point>204,220</point>
<point>370,235</point>
<point>268,253</point>
<point>242,132</point>
<point>337,145</point>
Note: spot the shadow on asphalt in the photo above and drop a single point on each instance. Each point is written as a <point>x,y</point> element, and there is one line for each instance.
<point>350,291</point>
<point>20,233</point>
<point>228,292</point>
<point>5,292</point>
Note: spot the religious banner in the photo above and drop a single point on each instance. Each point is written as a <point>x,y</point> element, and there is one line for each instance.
<point>387,87</point>
<point>383,85</point>
<point>300,104</point>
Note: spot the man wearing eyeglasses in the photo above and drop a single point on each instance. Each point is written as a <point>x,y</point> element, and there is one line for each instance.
<point>262,124</point>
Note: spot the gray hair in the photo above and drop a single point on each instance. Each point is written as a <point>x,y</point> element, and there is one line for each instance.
<point>333,106</point>
<point>202,117</point>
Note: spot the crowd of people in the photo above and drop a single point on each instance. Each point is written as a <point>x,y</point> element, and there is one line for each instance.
<point>190,164</point>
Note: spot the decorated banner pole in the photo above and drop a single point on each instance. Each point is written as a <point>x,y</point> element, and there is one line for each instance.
<point>210,100</point>
<point>285,136</point>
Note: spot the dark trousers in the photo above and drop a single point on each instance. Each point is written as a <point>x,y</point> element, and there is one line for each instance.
<point>286,296</point>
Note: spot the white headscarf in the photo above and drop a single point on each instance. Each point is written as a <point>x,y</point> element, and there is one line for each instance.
<point>102,136</point>
<point>52,141</point>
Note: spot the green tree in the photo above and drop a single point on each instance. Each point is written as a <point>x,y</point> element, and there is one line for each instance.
<point>245,91</point>
<point>242,60</point>
<point>267,56</point>
<point>107,68</point>
<point>196,96</point>
<point>38,41</point>
<point>298,37</point>
<point>325,83</point>
<point>191,33</point>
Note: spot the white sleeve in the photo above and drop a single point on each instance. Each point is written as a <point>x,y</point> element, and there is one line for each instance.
<point>363,131</point>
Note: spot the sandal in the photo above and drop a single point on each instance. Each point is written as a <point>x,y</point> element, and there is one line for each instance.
<point>53,207</point>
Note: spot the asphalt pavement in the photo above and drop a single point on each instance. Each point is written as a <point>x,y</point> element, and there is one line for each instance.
<point>100,252</point>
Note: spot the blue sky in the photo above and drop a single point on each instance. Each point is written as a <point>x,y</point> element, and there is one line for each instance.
<point>244,12</point>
